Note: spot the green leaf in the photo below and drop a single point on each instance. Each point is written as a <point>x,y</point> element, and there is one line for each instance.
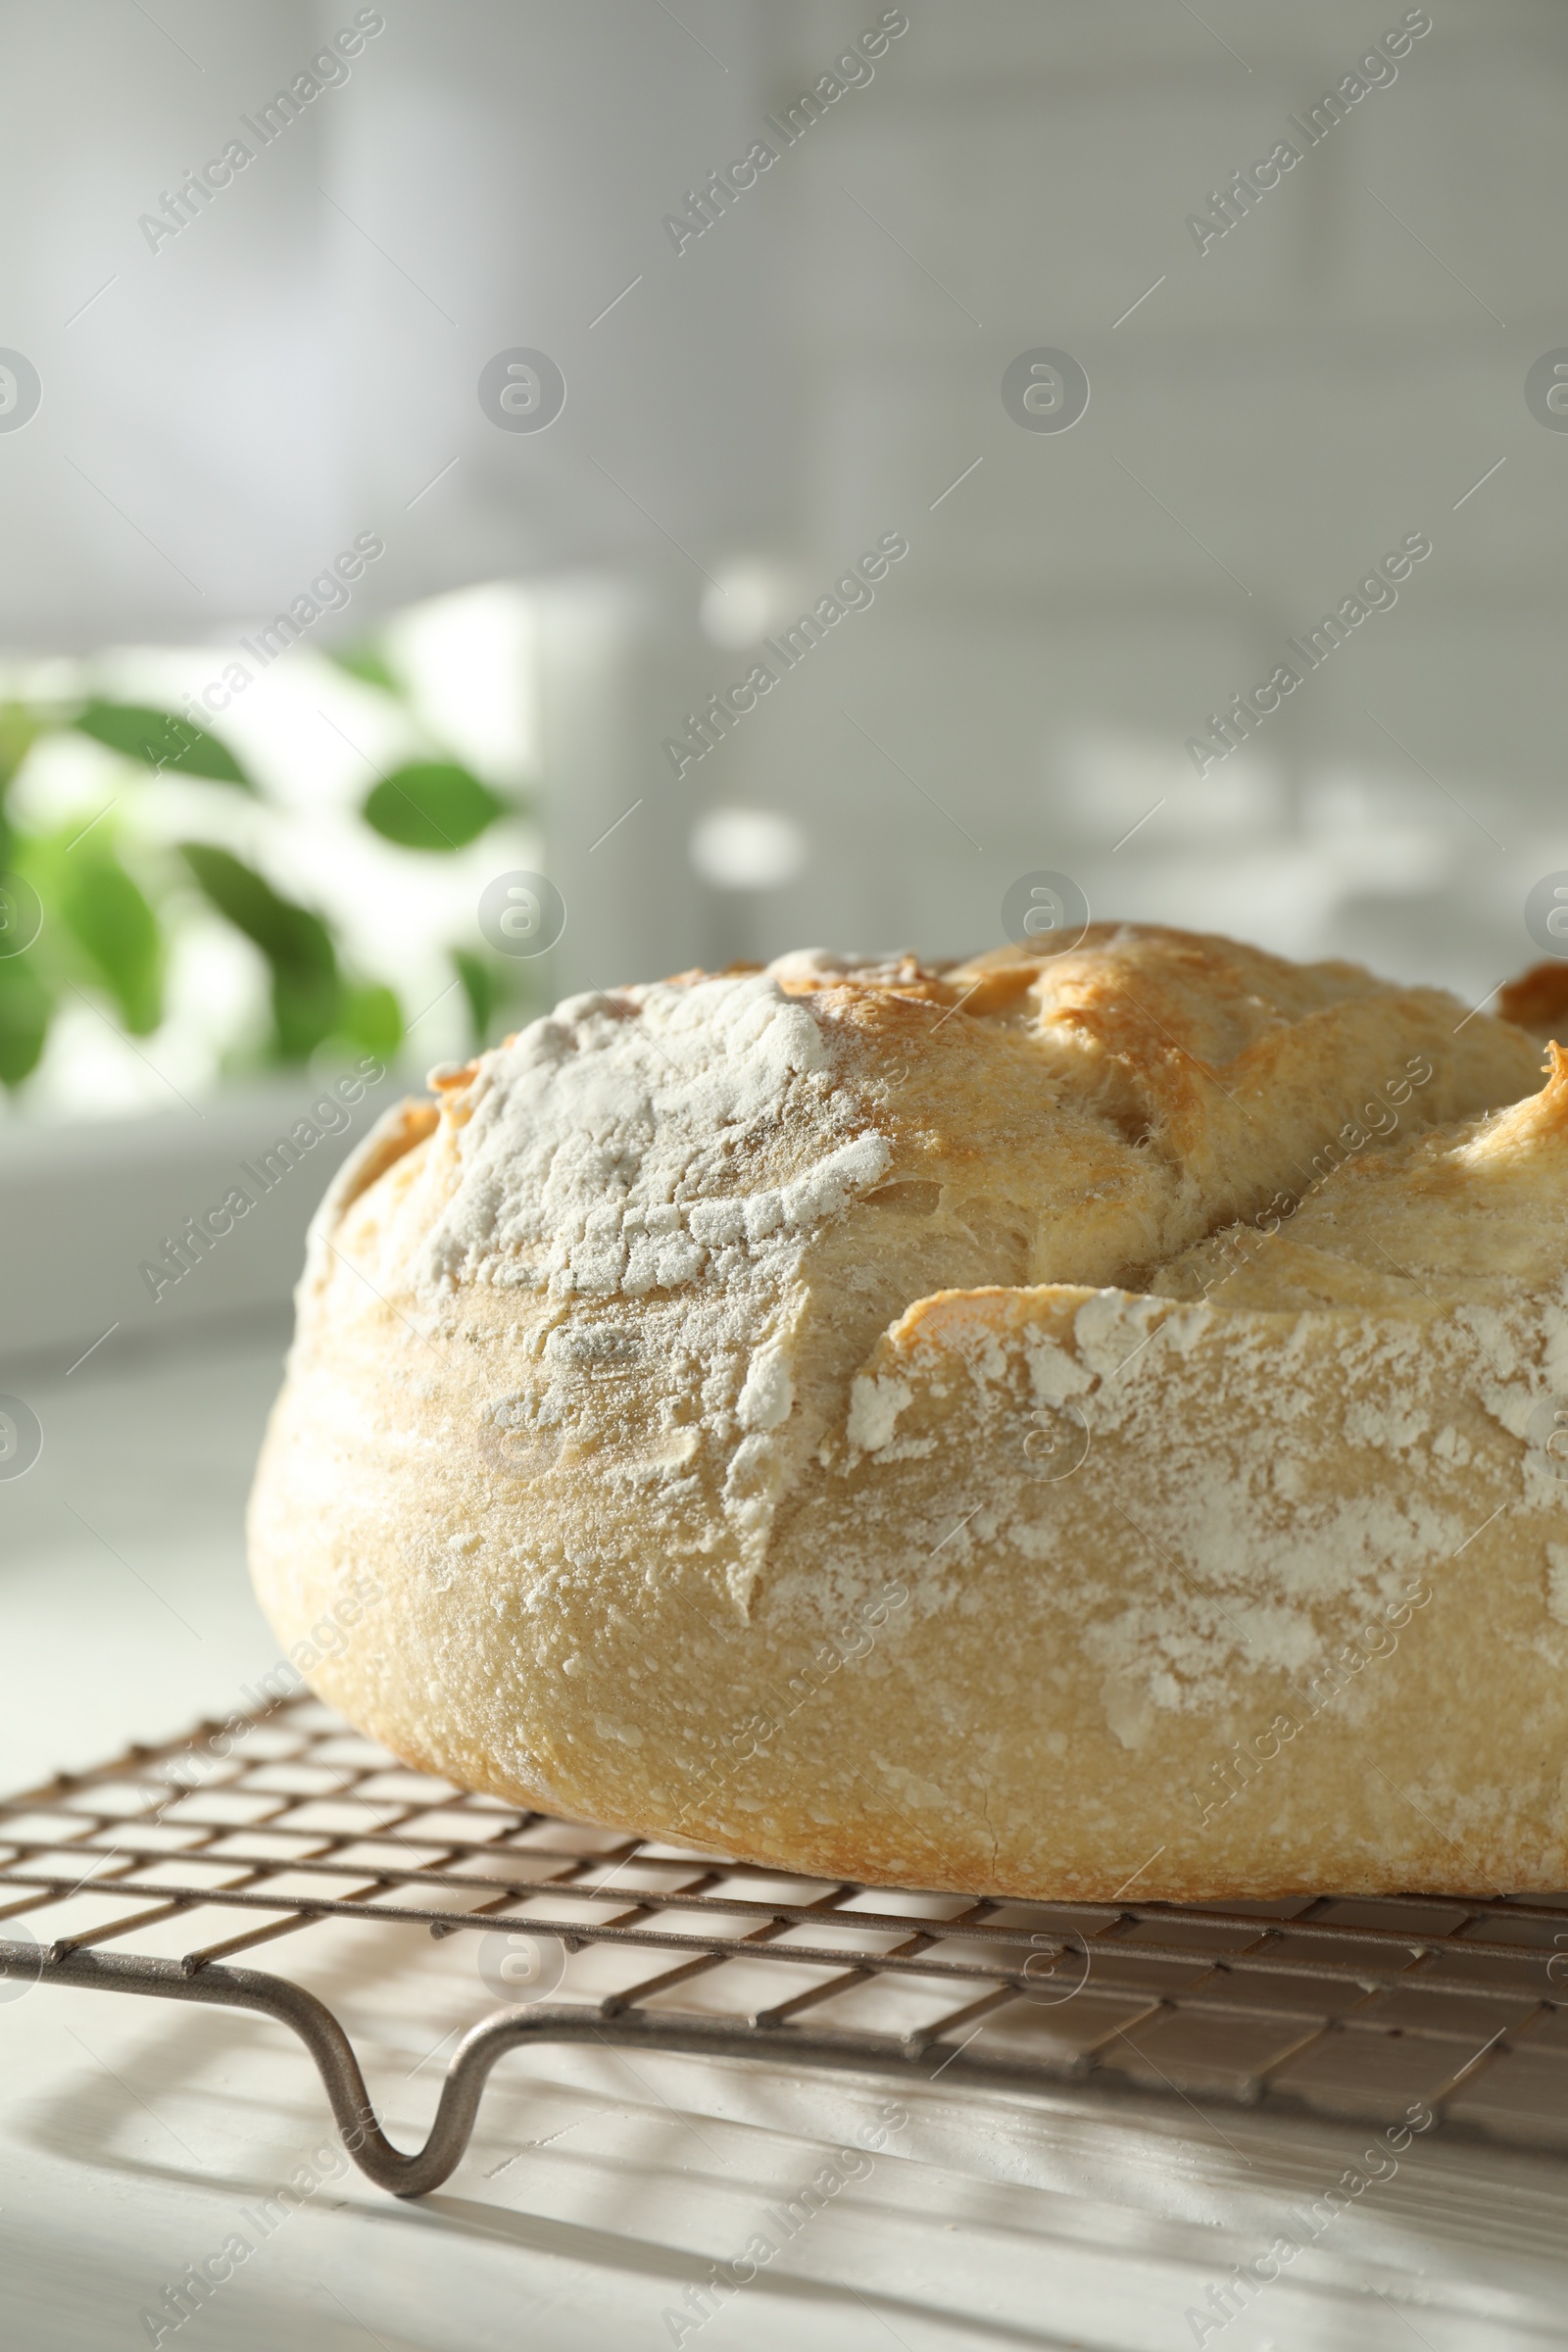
<point>306,989</point>
<point>372,1018</point>
<point>110,918</point>
<point>432,805</point>
<point>162,740</point>
<point>305,1010</point>
<point>288,935</point>
<point>480,989</point>
<point>368,664</point>
<point>19,728</point>
<point>26,1008</point>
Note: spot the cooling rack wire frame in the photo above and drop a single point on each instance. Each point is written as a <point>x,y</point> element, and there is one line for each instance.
<point>236,1836</point>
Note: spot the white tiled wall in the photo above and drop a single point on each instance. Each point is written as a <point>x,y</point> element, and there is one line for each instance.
<point>818,368</point>
<point>1314,388</point>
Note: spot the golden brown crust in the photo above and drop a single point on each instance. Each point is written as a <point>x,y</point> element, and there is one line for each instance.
<point>1538,1000</point>
<point>1010,1426</point>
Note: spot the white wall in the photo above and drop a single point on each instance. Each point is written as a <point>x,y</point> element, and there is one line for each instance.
<point>799,380</point>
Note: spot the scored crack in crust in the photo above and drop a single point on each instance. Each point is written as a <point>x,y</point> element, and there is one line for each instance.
<point>1010,1426</point>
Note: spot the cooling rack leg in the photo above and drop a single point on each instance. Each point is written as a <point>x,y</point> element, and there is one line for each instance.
<point>416,2174</point>
<point>273,1997</point>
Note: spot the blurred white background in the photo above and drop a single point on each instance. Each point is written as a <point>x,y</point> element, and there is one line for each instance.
<point>819,366</point>
<point>232,390</point>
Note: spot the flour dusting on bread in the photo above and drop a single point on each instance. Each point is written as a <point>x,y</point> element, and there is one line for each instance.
<point>636,1142</point>
<point>708,1321</point>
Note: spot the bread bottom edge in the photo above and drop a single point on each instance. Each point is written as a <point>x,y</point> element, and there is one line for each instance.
<point>825,1853</point>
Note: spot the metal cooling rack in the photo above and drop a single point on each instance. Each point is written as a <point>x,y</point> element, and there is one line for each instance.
<point>1355,2008</point>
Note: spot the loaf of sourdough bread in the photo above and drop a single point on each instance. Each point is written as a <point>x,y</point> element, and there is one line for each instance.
<point>1033,1425</point>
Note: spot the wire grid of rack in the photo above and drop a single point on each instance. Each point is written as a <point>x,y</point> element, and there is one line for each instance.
<point>230,1839</point>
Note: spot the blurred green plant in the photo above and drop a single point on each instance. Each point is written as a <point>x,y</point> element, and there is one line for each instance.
<point>110,906</point>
